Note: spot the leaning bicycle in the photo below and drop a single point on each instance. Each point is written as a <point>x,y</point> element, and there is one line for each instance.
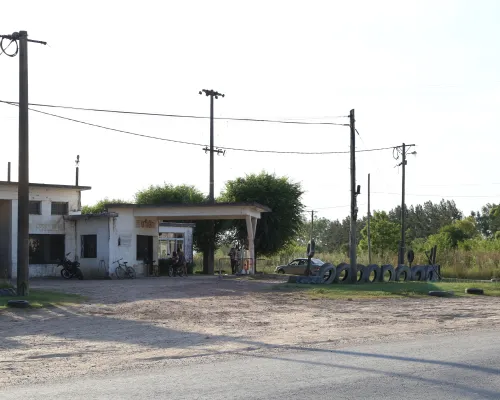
<point>123,270</point>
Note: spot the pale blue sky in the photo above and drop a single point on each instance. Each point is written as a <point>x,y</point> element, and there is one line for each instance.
<point>423,72</point>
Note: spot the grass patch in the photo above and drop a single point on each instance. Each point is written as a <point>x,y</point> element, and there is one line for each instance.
<point>388,289</point>
<point>44,298</point>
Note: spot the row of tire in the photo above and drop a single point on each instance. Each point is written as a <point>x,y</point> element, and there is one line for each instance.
<point>374,273</point>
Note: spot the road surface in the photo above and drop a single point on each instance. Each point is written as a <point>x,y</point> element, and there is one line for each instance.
<point>463,365</point>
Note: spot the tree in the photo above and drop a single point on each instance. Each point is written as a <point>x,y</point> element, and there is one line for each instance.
<point>450,236</point>
<point>488,220</point>
<point>277,228</point>
<point>185,194</point>
<point>99,207</point>
<point>385,234</point>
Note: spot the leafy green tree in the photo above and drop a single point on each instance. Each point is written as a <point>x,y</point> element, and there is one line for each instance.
<point>186,194</point>
<point>488,220</point>
<point>99,207</point>
<point>277,228</point>
<point>426,219</point>
<point>385,234</point>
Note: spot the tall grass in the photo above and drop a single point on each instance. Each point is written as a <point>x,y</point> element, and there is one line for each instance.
<point>461,263</point>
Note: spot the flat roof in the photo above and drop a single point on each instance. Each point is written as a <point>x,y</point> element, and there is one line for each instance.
<point>78,217</point>
<point>48,185</point>
<point>205,204</point>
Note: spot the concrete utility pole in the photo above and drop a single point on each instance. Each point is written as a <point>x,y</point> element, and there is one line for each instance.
<point>403,151</point>
<point>8,171</point>
<point>23,180</point>
<point>368,226</point>
<point>354,209</point>
<point>209,268</point>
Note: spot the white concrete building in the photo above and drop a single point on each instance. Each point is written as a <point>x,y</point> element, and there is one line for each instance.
<point>125,231</point>
<point>51,236</point>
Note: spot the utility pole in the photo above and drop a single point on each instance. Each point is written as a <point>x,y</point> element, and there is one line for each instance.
<point>8,171</point>
<point>312,224</point>
<point>209,267</point>
<point>77,162</point>
<point>354,210</point>
<point>368,226</point>
<point>23,180</point>
<point>403,151</point>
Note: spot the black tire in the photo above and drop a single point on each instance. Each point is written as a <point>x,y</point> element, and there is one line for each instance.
<point>66,274</point>
<point>387,268</point>
<point>403,271</point>
<point>18,303</point>
<point>170,271</point>
<point>431,273</point>
<point>440,293</point>
<point>79,274</point>
<point>281,271</point>
<point>377,273</point>
<point>131,273</point>
<point>328,273</point>
<point>474,291</point>
<point>363,273</point>
<point>418,273</point>
<point>342,267</point>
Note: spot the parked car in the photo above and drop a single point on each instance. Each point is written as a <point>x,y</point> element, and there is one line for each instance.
<point>298,267</point>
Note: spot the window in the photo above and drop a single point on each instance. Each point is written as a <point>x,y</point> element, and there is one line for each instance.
<point>294,262</point>
<point>144,247</point>
<point>89,246</point>
<point>46,249</point>
<point>58,208</point>
<point>35,207</point>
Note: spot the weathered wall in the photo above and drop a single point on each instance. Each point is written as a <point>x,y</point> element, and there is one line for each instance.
<point>5,238</point>
<point>123,238</point>
<point>94,267</point>
<point>44,223</point>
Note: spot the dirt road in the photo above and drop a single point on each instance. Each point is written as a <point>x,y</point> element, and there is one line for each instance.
<point>140,324</point>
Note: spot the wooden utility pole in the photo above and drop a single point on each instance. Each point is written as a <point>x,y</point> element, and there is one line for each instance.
<point>209,267</point>
<point>77,181</point>
<point>368,226</point>
<point>312,224</point>
<point>23,179</point>
<point>352,236</point>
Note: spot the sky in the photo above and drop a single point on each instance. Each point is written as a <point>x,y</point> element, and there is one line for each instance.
<point>415,72</point>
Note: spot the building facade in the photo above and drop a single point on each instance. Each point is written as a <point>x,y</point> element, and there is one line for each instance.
<point>51,235</point>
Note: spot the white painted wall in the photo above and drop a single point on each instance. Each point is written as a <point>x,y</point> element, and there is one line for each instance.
<point>5,238</point>
<point>44,223</point>
<point>100,227</point>
<point>124,228</point>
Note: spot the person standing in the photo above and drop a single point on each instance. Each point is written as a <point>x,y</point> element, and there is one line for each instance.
<point>232,256</point>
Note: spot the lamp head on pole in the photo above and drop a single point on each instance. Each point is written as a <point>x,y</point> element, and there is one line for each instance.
<point>77,161</point>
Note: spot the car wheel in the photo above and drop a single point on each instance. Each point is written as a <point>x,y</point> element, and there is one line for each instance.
<point>281,271</point>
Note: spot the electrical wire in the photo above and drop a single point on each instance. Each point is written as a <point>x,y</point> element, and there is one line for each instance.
<point>197,144</point>
<point>182,116</point>
<point>434,195</point>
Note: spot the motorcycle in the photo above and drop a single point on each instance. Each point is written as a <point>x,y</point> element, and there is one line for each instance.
<point>70,268</point>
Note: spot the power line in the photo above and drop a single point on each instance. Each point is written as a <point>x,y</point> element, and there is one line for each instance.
<point>182,116</point>
<point>434,195</point>
<point>194,143</point>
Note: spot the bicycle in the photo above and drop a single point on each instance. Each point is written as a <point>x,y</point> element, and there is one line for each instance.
<point>123,270</point>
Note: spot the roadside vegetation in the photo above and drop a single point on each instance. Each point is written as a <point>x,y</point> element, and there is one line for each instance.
<point>44,298</point>
<point>388,289</point>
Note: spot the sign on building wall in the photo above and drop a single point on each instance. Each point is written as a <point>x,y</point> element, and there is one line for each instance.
<point>145,223</point>
<point>49,227</point>
<point>125,240</point>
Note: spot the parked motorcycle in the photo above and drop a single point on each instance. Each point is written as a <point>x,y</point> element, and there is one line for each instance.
<point>70,268</point>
